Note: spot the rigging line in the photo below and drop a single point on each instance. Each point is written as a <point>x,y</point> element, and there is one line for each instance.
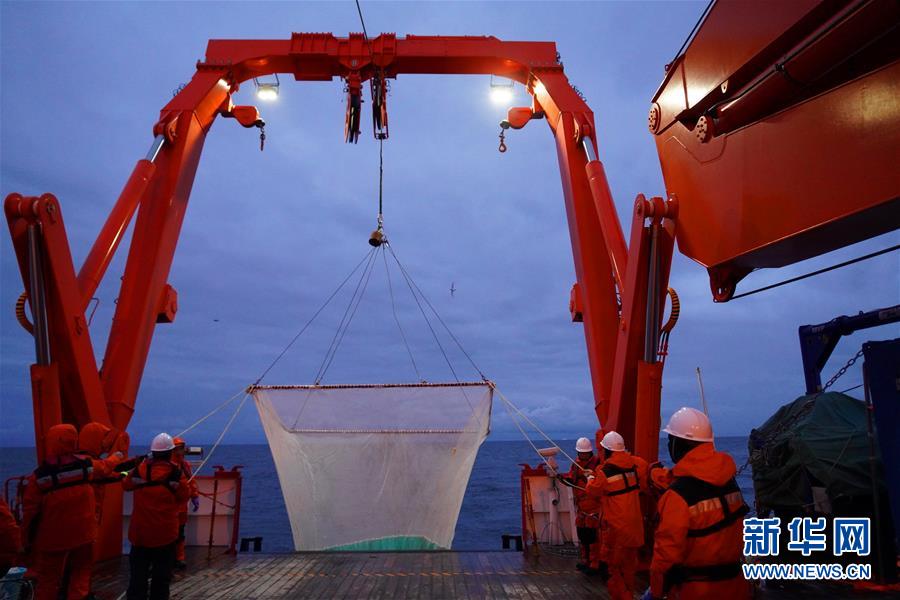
<point>819,272</point>
<point>410,283</point>
<point>397,318</point>
<point>424,315</point>
<point>353,314</point>
<point>536,428</point>
<point>525,435</point>
<point>380,179</point>
<point>211,413</point>
<point>450,333</point>
<point>363,23</point>
<point>507,405</point>
<point>221,435</point>
<point>313,318</point>
<point>369,257</point>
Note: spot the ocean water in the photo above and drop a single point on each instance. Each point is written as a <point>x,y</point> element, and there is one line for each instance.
<point>491,506</point>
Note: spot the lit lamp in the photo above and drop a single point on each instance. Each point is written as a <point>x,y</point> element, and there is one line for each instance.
<point>502,90</point>
<point>267,91</point>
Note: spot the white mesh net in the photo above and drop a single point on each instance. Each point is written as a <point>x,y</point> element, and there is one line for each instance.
<point>374,467</point>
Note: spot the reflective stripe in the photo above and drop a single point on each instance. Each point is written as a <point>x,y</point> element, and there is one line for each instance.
<point>733,499</point>
<point>629,479</point>
<point>50,478</point>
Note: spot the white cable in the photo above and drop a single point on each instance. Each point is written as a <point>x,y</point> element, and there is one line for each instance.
<point>508,405</point>
<point>536,428</point>
<point>221,435</point>
<point>214,411</point>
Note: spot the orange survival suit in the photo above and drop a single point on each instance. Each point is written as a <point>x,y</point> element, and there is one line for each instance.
<point>178,459</point>
<point>698,546</point>
<point>618,484</point>
<point>587,506</point>
<point>160,490</point>
<point>95,440</point>
<point>10,539</point>
<point>58,519</point>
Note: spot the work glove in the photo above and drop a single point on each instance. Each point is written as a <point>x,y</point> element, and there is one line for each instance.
<point>195,504</point>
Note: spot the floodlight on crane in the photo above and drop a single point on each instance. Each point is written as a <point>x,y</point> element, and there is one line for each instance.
<point>267,91</point>
<point>502,90</point>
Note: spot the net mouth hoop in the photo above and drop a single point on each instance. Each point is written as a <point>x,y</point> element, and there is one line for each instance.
<point>387,431</point>
<point>348,386</point>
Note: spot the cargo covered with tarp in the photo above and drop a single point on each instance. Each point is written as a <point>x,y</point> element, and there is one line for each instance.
<point>816,444</point>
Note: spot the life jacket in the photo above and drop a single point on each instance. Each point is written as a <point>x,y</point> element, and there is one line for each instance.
<point>621,481</point>
<point>174,475</point>
<point>53,477</point>
<point>702,497</point>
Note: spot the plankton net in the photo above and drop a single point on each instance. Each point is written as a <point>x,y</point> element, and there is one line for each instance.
<point>374,467</point>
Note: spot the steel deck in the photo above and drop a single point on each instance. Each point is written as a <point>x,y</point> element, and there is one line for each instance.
<point>385,575</point>
<point>388,575</point>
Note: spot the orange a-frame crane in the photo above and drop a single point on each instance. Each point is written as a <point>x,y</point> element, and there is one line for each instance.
<point>756,177</point>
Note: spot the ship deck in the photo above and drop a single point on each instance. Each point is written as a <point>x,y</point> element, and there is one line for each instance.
<point>388,575</point>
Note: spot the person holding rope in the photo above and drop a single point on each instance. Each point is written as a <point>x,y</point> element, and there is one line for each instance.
<point>618,484</point>
<point>160,490</point>
<point>587,520</point>
<point>178,459</point>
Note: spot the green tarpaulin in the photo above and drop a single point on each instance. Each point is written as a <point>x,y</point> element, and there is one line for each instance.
<point>813,441</point>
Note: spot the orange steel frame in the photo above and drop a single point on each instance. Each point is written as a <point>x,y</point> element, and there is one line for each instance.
<point>611,288</point>
<point>620,289</point>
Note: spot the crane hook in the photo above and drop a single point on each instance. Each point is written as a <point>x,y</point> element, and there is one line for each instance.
<point>502,147</point>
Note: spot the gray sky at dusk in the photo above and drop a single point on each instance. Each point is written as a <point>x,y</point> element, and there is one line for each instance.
<point>269,235</point>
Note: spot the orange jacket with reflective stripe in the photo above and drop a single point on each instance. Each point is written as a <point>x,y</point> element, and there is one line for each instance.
<point>700,517</point>
<point>160,490</point>
<point>618,484</point>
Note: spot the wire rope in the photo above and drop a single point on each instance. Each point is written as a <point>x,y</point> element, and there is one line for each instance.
<point>412,359</point>
<point>818,272</point>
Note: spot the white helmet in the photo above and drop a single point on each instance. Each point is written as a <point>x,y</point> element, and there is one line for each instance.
<point>690,424</point>
<point>613,441</point>
<point>162,443</point>
<point>583,445</point>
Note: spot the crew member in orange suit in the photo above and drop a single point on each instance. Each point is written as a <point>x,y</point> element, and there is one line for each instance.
<point>618,483</point>
<point>587,519</point>
<point>95,440</point>
<point>10,539</point>
<point>59,521</point>
<point>160,490</point>
<point>178,459</point>
<point>698,547</point>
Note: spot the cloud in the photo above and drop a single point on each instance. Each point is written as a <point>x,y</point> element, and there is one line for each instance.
<point>269,235</point>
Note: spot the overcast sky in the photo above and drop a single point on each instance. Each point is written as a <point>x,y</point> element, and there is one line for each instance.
<point>269,235</point>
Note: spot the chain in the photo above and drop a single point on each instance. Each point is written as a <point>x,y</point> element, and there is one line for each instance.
<point>502,147</point>
<point>262,137</point>
<point>840,373</point>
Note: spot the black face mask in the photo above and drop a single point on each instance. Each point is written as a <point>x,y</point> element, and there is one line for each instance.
<point>677,448</point>
<point>670,444</point>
